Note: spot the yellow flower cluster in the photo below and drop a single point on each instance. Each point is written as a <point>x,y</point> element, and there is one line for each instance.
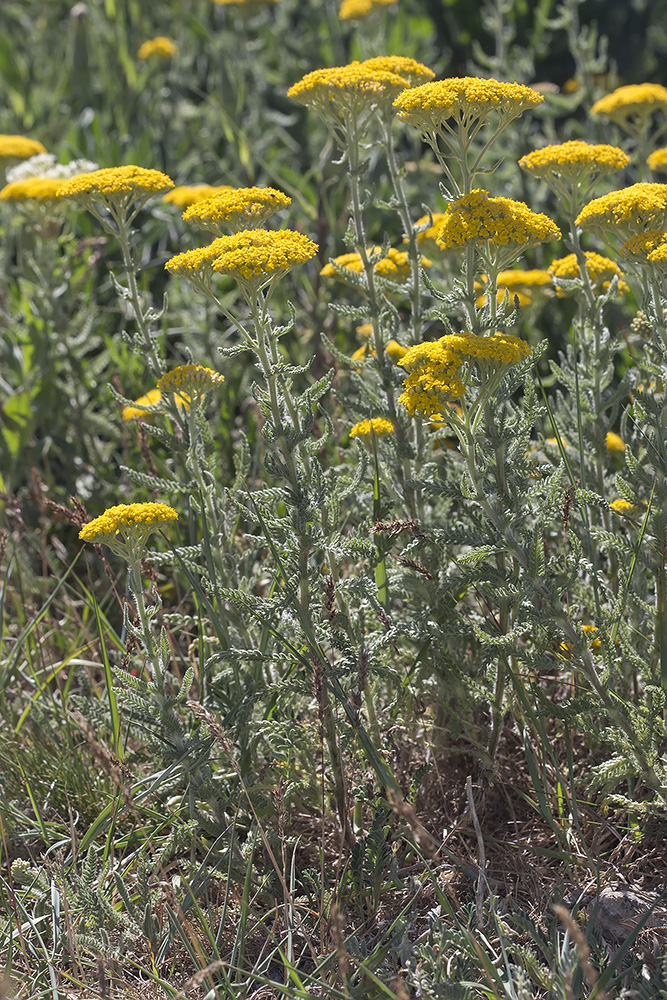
<point>236,209</point>
<point>127,525</point>
<point>659,255</point>
<point>614,442</point>
<point>108,184</point>
<point>19,147</point>
<point>640,247</point>
<point>628,211</point>
<point>657,161</point>
<point>409,69</point>
<point>35,188</point>
<point>477,216</point>
<point>395,266</point>
<point>350,88</point>
<point>189,194</point>
<point>501,349</point>
<point>190,381</point>
<point>601,272</point>
<point>355,10</point>
<point>430,105</point>
<point>395,351</point>
<point>634,100</point>
<point>152,397</point>
<point>624,507</point>
<point>433,380</point>
<point>378,425</point>
<point>257,252</point>
<point>160,48</point>
<point>520,284</point>
<point>429,236</point>
<point>572,160</point>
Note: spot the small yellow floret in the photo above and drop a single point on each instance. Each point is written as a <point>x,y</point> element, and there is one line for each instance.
<point>477,216</point>
<point>32,188</point>
<point>628,211</point>
<point>197,263</point>
<point>237,209</point>
<point>19,147</point>
<point>635,100</point>
<point>377,426</point>
<point>614,442</point>
<point>430,105</point>
<point>160,48</point>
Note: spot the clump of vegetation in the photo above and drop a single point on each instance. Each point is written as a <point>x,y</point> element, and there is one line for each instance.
<point>332,621</point>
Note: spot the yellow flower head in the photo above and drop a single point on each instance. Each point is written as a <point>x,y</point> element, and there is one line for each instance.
<point>188,194</point>
<point>572,161</point>
<point>32,189</point>
<point>395,351</point>
<point>520,284</point>
<point>158,48</point>
<point>127,527</point>
<point>377,426</point>
<point>601,272</point>
<point>19,147</point>
<point>409,69</point>
<point>657,161</point>
<point>117,188</point>
<point>237,209</point>
<point>260,253</point>
<point>355,10</point>
<point>624,507</point>
<point>394,267</point>
<point>433,380</point>
<point>634,101</point>
<point>477,216</point>
<point>364,331</point>
<point>500,350</point>
<point>190,382</point>
<point>152,398</point>
<point>466,98</point>
<point>346,90</point>
<point>628,211</point>
<point>614,442</point>
<point>427,239</point>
